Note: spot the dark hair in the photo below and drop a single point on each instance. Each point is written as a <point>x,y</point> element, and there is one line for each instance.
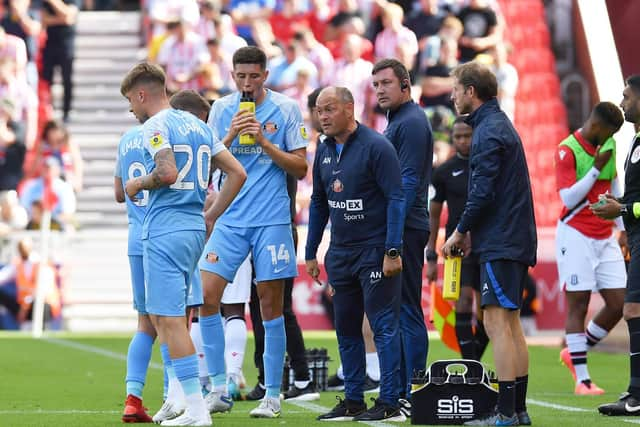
<point>480,77</point>
<point>191,101</point>
<point>143,73</point>
<point>313,96</point>
<point>250,55</point>
<point>398,68</point>
<point>49,126</point>
<point>609,114</point>
<point>634,82</point>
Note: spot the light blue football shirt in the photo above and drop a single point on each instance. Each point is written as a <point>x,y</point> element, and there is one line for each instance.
<point>263,199</point>
<point>179,206</point>
<point>130,164</point>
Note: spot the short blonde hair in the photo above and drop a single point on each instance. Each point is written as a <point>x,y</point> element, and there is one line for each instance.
<point>143,73</point>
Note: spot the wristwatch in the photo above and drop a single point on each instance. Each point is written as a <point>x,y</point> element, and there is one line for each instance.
<point>623,210</point>
<point>431,256</point>
<point>392,253</point>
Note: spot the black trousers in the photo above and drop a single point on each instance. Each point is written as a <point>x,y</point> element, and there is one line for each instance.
<point>295,341</point>
<point>59,57</point>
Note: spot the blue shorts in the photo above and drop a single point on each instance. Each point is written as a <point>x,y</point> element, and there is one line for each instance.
<point>502,283</point>
<point>195,298</point>
<point>137,283</point>
<point>271,247</point>
<point>169,262</point>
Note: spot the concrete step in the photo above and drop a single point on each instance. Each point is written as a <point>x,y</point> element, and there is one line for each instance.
<point>114,104</point>
<point>113,53</point>
<point>97,180</point>
<point>88,41</point>
<point>108,23</point>
<point>98,91</point>
<point>96,193</point>
<point>88,129</point>
<point>121,118</point>
<point>100,65</point>
<point>98,220</point>
<point>91,154</point>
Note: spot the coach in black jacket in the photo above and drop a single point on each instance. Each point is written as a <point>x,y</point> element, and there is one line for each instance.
<point>499,218</point>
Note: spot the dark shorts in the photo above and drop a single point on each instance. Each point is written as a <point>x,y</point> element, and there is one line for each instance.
<point>502,283</point>
<point>470,272</point>
<point>633,273</point>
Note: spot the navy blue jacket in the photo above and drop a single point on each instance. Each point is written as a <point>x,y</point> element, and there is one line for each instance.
<point>499,208</point>
<point>359,190</point>
<point>410,133</point>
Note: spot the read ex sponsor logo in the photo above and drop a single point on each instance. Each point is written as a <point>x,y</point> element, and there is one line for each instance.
<point>351,205</point>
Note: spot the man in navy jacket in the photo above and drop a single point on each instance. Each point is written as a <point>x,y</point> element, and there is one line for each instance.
<point>410,133</point>
<point>357,184</point>
<point>499,217</point>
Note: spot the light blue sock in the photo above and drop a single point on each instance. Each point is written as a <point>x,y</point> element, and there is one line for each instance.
<point>186,370</point>
<point>168,369</point>
<point>138,357</point>
<point>275,344</point>
<point>213,346</point>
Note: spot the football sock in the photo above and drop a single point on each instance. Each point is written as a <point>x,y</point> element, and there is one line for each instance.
<point>275,343</point>
<point>235,338</point>
<point>634,358</point>
<point>594,334</point>
<point>186,370</point>
<point>464,333</point>
<point>138,357</point>
<point>196,337</point>
<point>174,389</point>
<point>482,339</point>
<point>214,348</point>
<point>506,397</point>
<point>373,366</point>
<point>521,393</point>
<point>577,344</point>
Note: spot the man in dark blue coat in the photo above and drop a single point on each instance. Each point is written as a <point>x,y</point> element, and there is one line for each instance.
<point>410,133</point>
<point>498,219</point>
<point>357,184</point>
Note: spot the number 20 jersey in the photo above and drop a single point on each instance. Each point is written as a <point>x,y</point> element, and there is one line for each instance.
<point>178,206</point>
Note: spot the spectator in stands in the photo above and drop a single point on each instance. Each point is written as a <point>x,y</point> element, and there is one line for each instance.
<point>430,54</point>
<point>171,28</point>
<point>182,56</point>
<point>284,69</point>
<point>229,40</point>
<point>300,90</point>
<point>19,98</point>
<point>265,39</point>
<point>12,148</point>
<point>425,22</point>
<point>209,12</point>
<point>24,271</point>
<point>12,215</point>
<point>223,61</point>
<point>480,29</point>
<point>353,25</point>
<point>507,77</point>
<point>56,142</point>
<point>437,82</point>
<point>347,9</point>
<point>59,18</point>
<point>20,18</point>
<point>354,73</point>
<point>52,189</point>
<point>35,219</point>
<point>14,47</point>
<point>289,19</point>
<point>245,13</point>
<point>317,53</point>
<point>396,40</point>
<point>161,11</point>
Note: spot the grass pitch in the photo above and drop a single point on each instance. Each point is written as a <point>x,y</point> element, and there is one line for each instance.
<point>78,380</point>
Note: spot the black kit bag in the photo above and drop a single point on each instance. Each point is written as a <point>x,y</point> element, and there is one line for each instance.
<point>452,392</point>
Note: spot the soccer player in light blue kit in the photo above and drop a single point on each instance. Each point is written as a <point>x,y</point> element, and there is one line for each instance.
<point>130,164</point>
<point>258,220</point>
<point>177,153</point>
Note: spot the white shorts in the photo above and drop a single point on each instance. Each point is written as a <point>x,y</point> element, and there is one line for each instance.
<point>587,264</point>
<point>239,291</point>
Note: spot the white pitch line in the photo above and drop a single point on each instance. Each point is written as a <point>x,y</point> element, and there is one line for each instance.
<point>556,406</point>
<point>119,356</point>
<point>96,350</point>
